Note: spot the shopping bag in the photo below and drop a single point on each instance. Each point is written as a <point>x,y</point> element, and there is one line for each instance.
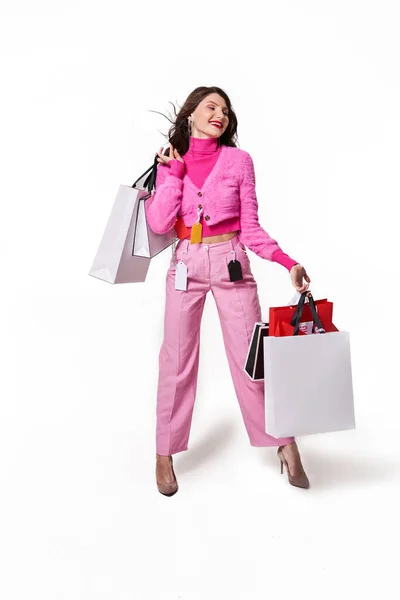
<point>308,380</point>
<point>254,364</point>
<point>281,317</point>
<point>128,244</point>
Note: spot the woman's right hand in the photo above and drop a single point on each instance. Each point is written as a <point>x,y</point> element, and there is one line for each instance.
<point>173,155</point>
<point>297,272</point>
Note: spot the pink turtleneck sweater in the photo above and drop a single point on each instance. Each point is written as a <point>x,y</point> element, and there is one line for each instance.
<point>199,162</point>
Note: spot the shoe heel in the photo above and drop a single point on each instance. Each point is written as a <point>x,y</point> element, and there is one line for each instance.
<point>300,481</point>
<point>281,459</point>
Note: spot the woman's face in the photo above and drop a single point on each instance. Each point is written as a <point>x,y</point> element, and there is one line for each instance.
<point>211,109</point>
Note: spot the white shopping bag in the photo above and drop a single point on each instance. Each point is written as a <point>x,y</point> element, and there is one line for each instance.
<point>308,383</point>
<point>128,243</point>
<point>146,242</point>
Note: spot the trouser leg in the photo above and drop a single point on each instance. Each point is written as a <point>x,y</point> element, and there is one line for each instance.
<point>178,363</point>
<point>239,308</point>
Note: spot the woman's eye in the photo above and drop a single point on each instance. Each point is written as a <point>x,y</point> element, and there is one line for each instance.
<point>225,113</point>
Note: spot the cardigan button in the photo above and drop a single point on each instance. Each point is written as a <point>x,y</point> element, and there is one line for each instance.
<point>207,217</point>
<point>199,194</point>
<point>199,206</point>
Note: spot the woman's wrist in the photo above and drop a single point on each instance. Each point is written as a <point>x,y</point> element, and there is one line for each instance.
<point>284,259</point>
<point>177,167</point>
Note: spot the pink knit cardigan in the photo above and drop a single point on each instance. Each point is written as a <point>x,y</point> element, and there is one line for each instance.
<point>228,191</point>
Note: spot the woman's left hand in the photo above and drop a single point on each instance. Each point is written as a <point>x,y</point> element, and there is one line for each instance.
<point>297,273</point>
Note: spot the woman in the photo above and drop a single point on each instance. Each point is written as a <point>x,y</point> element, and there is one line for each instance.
<point>205,188</point>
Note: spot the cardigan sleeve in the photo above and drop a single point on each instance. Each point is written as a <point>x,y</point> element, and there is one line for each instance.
<point>252,234</point>
<point>162,207</point>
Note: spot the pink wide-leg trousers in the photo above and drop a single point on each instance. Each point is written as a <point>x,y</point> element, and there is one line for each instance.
<point>238,309</point>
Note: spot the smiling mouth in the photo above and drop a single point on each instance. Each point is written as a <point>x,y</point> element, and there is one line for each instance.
<point>218,126</point>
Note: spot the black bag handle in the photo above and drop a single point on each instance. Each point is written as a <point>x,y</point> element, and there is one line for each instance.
<point>150,181</point>
<point>295,322</point>
<point>299,310</point>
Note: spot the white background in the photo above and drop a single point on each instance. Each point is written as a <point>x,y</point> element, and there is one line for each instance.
<point>316,89</point>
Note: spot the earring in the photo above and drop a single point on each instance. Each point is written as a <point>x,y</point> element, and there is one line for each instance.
<point>190,130</point>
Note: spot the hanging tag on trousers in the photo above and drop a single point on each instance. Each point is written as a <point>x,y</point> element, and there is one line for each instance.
<point>196,234</point>
<point>181,276</point>
<point>235,270</point>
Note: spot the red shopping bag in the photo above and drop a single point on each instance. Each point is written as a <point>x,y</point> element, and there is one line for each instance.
<point>282,318</point>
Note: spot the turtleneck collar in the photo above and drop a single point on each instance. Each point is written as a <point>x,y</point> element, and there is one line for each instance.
<point>203,145</point>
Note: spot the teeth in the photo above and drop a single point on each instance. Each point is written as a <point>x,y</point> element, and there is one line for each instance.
<point>216,124</point>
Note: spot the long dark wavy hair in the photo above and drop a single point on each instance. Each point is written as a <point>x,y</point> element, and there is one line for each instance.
<point>178,134</point>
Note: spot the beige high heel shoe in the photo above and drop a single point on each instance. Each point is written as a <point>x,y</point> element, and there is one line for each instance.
<point>168,489</point>
<point>299,481</point>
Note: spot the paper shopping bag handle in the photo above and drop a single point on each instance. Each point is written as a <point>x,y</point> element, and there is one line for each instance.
<point>299,310</point>
<point>150,181</point>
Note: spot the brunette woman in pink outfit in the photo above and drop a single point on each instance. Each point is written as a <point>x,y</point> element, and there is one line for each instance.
<point>205,189</point>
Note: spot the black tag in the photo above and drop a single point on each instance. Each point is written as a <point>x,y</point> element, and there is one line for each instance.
<point>235,270</point>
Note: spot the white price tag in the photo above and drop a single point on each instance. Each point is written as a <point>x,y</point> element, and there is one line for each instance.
<point>181,276</point>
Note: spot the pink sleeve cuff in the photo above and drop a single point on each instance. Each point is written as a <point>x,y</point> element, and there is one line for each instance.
<point>283,259</point>
<point>177,167</point>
